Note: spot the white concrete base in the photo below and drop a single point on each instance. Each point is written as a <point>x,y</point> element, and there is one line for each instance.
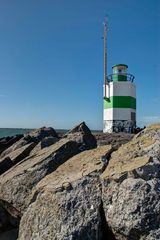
<point>118,126</point>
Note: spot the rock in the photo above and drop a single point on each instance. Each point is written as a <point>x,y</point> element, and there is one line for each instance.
<point>153,235</point>
<point>9,235</point>
<point>16,184</point>
<point>5,164</point>
<point>20,153</point>
<point>97,194</point>
<point>116,139</point>
<point>3,218</point>
<point>39,134</point>
<point>46,142</point>
<point>9,217</point>
<point>8,141</point>
<point>22,148</point>
<point>66,204</point>
<point>32,137</point>
<point>130,185</point>
<point>83,136</point>
<point>14,157</point>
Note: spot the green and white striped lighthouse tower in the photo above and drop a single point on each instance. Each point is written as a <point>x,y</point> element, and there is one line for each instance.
<point>119,97</point>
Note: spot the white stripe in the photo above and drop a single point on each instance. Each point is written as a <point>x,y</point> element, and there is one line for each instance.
<point>108,114</point>
<point>118,114</point>
<point>121,89</point>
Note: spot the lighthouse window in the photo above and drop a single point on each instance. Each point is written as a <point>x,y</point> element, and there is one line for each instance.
<point>120,70</point>
<point>115,71</point>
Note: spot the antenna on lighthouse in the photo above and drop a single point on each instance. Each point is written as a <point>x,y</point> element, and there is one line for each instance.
<point>105,56</point>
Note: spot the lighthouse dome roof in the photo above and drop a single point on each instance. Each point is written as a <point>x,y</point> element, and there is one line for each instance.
<point>120,65</point>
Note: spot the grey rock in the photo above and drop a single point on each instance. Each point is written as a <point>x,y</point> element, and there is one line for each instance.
<point>39,134</point>
<point>153,235</point>
<point>16,184</point>
<point>66,204</point>
<point>46,142</point>
<point>9,217</point>
<point>83,136</point>
<point>116,139</point>
<point>91,195</point>
<point>14,157</point>
<point>131,188</point>
<point>33,137</point>
<point>5,164</point>
<point>8,141</point>
<point>3,218</point>
<point>9,235</point>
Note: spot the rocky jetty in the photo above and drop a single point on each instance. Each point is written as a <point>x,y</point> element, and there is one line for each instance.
<point>81,186</point>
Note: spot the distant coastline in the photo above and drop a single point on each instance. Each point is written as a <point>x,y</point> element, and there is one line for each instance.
<point>5,132</point>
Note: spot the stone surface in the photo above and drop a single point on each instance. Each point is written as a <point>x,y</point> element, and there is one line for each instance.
<point>131,188</point>
<point>116,139</point>
<point>14,157</point>
<point>98,194</point>
<point>16,184</point>
<point>83,136</point>
<point>40,133</point>
<point>8,141</point>
<point>46,142</point>
<point>3,218</point>
<point>66,204</point>
<point>5,164</point>
<point>9,217</point>
<point>9,235</point>
<point>33,137</point>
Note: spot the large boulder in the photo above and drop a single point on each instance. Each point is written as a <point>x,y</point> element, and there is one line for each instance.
<point>131,188</point>
<point>39,134</point>
<point>45,142</point>
<point>16,184</point>
<point>34,136</point>
<point>22,147</point>
<point>83,136</point>
<point>14,157</point>
<point>8,141</point>
<point>67,204</point>
<point>5,164</point>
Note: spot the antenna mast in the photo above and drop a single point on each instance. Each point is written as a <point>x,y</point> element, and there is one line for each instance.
<point>105,56</point>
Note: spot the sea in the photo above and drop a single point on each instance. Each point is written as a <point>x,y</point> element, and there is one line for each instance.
<point>5,132</point>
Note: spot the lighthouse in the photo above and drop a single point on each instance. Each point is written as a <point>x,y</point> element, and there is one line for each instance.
<point>119,97</point>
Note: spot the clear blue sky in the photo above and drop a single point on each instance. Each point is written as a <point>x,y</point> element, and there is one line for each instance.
<point>51,59</point>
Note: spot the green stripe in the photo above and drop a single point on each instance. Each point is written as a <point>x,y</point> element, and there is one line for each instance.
<point>120,102</point>
<point>117,77</point>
